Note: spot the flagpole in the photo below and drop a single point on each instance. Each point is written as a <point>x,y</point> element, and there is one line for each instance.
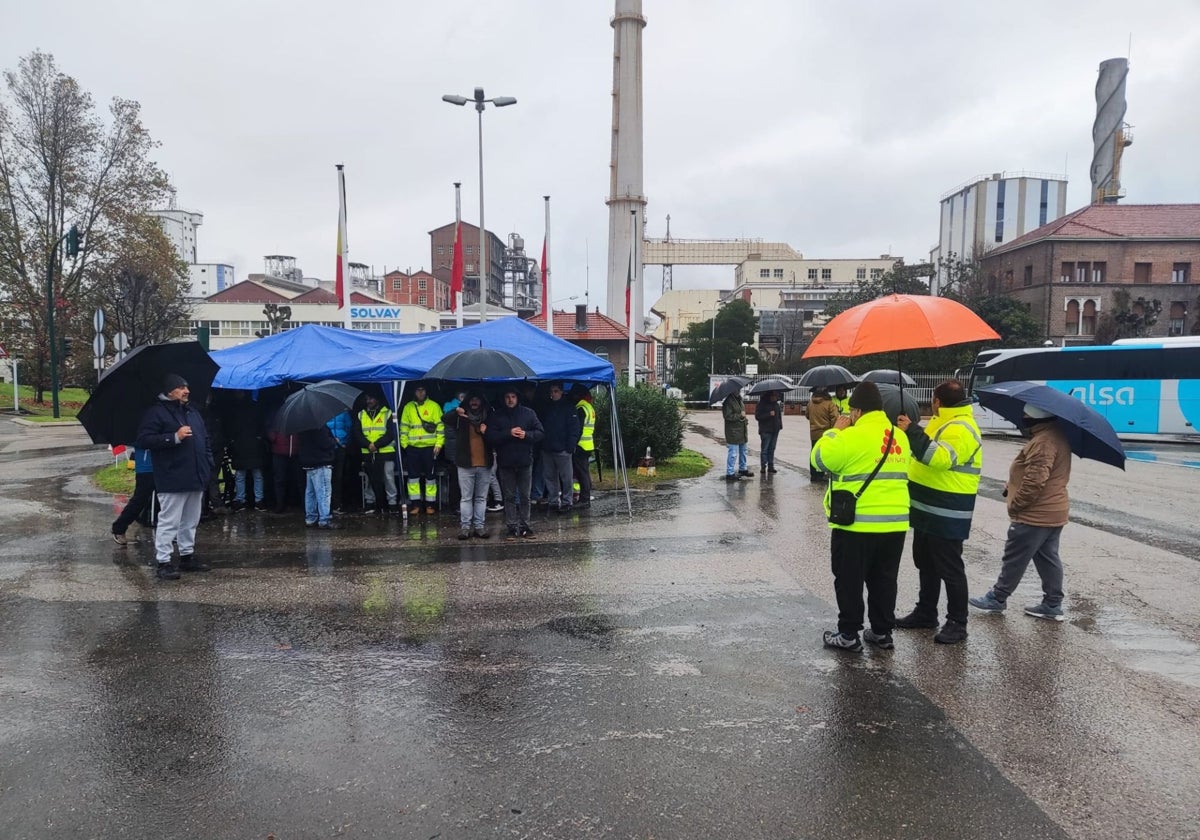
<point>547,299</point>
<point>631,296</point>
<point>343,261</point>
<point>457,295</point>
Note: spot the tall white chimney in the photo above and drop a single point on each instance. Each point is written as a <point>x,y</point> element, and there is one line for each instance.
<point>625,190</point>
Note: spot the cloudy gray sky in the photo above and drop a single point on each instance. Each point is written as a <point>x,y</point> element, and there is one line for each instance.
<point>832,126</point>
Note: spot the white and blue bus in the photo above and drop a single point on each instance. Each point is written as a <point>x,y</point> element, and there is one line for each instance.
<point>1144,387</point>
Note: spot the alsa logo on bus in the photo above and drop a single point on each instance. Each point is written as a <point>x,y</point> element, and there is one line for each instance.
<point>1103,395</point>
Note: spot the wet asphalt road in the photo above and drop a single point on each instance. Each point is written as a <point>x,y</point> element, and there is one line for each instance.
<point>660,677</point>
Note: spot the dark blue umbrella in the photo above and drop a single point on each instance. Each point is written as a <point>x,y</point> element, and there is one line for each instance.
<point>1091,436</point>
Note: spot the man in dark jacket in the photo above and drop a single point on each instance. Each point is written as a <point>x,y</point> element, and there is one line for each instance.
<point>315,452</point>
<point>769,415</point>
<point>174,432</point>
<point>473,459</point>
<point>514,430</point>
<point>561,424</point>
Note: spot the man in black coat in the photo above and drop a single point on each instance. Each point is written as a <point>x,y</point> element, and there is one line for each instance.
<point>174,433</point>
<point>317,448</point>
<point>562,427</point>
<point>514,430</point>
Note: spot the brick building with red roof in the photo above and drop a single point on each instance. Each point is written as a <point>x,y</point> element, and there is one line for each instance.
<point>1066,272</point>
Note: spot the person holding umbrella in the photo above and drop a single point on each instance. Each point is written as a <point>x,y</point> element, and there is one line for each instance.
<point>733,410</point>
<point>1038,507</point>
<point>943,480</point>
<point>174,432</point>
<point>841,399</point>
<point>473,458</point>
<point>769,414</point>
<point>822,415</point>
<point>316,450</point>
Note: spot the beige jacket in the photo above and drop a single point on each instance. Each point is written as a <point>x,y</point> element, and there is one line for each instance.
<point>822,414</point>
<point>1037,479</point>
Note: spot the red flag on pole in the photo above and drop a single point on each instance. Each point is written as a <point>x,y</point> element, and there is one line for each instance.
<point>456,268</point>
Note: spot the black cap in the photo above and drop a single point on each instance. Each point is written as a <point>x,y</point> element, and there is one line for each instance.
<point>866,397</point>
<point>172,381</point>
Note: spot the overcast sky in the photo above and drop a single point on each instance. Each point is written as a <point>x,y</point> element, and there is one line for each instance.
<point>832,126</point>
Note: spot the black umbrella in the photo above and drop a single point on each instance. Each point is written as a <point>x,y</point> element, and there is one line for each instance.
<point>480,364</point>
<point>768,385</point>
<point>114,410</point>
<point>889,377</point>
<point>1090,434</point>
<point>827,376</point>
<point>730,386</point>
<point>314,405</point>
<point>897,401</point>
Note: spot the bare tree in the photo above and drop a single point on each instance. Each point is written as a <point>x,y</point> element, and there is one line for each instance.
<point>60,166</point>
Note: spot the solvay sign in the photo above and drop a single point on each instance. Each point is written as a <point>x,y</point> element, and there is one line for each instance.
<point>391,313</point>
<point>1093,394</point>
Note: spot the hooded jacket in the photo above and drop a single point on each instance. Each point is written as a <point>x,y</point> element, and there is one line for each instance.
<point>822,414</point>
<point>180,466</point>
<point>1037,479</point>
<point>736,424</point>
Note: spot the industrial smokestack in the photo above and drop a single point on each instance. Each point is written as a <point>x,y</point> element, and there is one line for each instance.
<point>625,190</point>
<point>1110,132</point>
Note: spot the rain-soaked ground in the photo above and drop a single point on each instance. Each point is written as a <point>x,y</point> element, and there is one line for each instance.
<point>659,676</point>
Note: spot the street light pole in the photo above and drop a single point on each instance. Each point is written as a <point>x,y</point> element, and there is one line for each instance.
<point>744,346</point>
<point>480,103</point>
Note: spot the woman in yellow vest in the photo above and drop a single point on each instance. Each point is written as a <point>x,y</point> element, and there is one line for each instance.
<point>865,455</point>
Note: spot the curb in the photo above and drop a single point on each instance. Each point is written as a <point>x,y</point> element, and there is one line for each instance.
<point>27,454</point>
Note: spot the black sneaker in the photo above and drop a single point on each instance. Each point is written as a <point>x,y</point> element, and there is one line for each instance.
<point>952,633</point>
<point>464,534</point>
<point>481,534</point>
<point>746,473</point>
<point>166,571</point>
<point>189,563</point>
<point>526,532</point>
<point>834,639</point>
<point>732,477</point>
<point>883,641</point>
<point>511,533</point>
<point>916,621</point>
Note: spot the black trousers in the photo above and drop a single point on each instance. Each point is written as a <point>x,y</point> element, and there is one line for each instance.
<point>143,492</point>
<point>870,559</point>
<point>338,478</point>
<point>939,560</point>
<point>580,462</point>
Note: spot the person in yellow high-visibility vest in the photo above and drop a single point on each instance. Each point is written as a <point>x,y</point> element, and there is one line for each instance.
<point>582,485</point>
<point>867,549</point>
<point>422,434</point>
<point>841,400</point>
<point>376,438</point>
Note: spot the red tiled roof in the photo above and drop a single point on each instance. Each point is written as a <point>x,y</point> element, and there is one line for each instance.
<point>317,295</point>
<point>600,327</point>
<point>247,291</point>
<point>1117,221</point>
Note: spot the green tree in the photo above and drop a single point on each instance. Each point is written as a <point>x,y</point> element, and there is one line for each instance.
<point>699,353</point>
<point>1127,318</point>
<point>901,279</point>
<point>61,165</point>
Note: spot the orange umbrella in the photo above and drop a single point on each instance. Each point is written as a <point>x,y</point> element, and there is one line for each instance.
<point>899,322</point>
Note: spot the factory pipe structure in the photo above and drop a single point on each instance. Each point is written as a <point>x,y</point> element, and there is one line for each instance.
<point>1110,132</point>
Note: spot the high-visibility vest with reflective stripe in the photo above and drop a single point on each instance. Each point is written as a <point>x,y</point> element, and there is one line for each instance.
<point>843,404</point>
<point>374,428</point>
<point>412,425</point>
<point>944,480</point>
<point>850,456</point>
<point>587,440</point>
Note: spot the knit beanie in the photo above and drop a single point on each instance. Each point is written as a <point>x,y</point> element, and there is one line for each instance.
<point>866,397</point>
<point>172,381</point>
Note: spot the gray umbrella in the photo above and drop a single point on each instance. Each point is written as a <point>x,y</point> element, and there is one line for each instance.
<point>891,377</point>
<point>314,405</point>
<point>892,395</point>
<point>730,386</point>
<point>827,376</point>
<point>768,385</point>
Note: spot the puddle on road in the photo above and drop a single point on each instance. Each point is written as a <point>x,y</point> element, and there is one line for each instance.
<point>1144,646</point>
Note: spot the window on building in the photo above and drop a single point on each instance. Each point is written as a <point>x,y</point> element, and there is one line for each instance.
<point>1082,270</point>
<point>1028,279</point>
<point>1045,203</point>
<point>469,268</point>
<point>422,300</point>
<point>1099,271</point>
<point>1141,273</point>
<point>1178,317</point>
<point>1071,322</point>
<point>812,276</point>
<point>469,251</point>
<point>441,250</point>
<point>762,272</point>
<point>1087,324</point>
<point>422,284</point>
<point>397,285</point>
<point>826,275</point>
<point>1067,274</point>
<point>1180,272</point>
<point>860,274</point>
<point>876,273</point>
<point>1000,211</point>
<point>775,272</point>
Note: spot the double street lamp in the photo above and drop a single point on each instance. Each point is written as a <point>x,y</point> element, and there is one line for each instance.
<point>480,104</point>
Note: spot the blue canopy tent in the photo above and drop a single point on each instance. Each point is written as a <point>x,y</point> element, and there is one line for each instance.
<point>311,353</point>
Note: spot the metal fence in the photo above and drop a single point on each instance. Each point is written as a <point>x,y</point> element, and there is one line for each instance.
<point>923,390</point>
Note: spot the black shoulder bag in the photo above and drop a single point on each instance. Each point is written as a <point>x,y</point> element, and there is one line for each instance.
<point>843,503</point>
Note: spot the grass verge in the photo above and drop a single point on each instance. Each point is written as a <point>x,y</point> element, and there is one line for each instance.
<point>70,400</point>
<point>115,478</point>
<point>687,464</point>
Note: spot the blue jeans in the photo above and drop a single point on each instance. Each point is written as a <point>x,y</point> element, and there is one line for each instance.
<point>318,486</point>
<point>738,449</point>
<point>239,485</point>
<point>766,448</point>
<point>473,485</point>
